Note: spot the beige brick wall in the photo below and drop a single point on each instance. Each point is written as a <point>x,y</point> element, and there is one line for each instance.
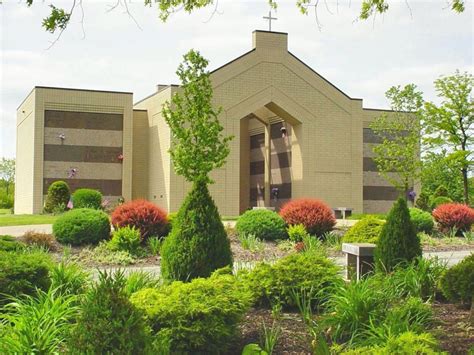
<point>140,154</point>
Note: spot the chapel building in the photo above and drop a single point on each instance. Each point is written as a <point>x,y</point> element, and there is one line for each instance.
<point>295,135</point>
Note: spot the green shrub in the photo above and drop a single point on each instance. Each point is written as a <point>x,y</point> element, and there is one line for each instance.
<point>297,232</point>
<point>6,201</point>
<point>304,272</point>
<point>441,200</point>
<point>262,223</point>
<point>87,198</point>
<point>58,196</point>
<point>69,278</point>
<point>23,272</point>
<point>138,280</point>
<point>423,202</point>
<point>367,230</point>
<point>9,243</point>
<point>198,243</point>
<point>457,283</point>
<point>82,226</point>
<point>422,220</point>
<point>108,322</point>
<point>412,343</point>
<point>398,240</point>
<point>125,239</point>
<point>196,317</point>
<point>37,325</point>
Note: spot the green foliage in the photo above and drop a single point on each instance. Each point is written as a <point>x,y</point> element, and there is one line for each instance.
<point>37,325</point>
<point>367,230</point>
<point>155,244</point>
<point>251,242</point>
<point>9,243</point>
<point>7,174</point>
<point>422,221</point>
<point>108,322</point>
<point>102,254</point>
<point>125,239</point>
<point>69,278</point>
<point>57,19</point>
<point>396,155</point>
<point>305,272</point>
<point>58,196</point>
<point>253,349</point>
<point>196,317</point>
<point>139,280</point>
<point>6,200</point>
<point>297,232</point>
<point>440,200</point>
<point>87,198</point>
<point>423,201</point>
<point>450,125</point>
<point>198,243</point>
<point>23,272</point>
<point>199,145</point>
<point>457,283</point>
<point>82,226</point>
<point>398,240</point>
<point>263,224</point>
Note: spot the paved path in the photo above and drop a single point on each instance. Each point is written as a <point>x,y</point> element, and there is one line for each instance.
<point>18,231</point>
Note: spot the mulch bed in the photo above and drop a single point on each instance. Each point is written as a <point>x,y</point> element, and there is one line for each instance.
<point>455,330</point>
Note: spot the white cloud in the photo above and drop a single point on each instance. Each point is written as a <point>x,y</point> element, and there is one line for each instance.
<point>362,58</point>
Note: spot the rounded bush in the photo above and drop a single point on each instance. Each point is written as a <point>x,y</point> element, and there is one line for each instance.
<point>262,223</point>
<point>87,198</point>
<point>457,283</point>
<point>454,215</point>
<point>23,272</point>
<point>198,317</point>
<point>143,215</point>
<point>198,243</point>
<point>82,226</point>
<point>422,220</point>
<point>314,214</point>
<point>301,272</point>
<point>367,230</point>
<point>58,196</point>
<point>297,233</point>
<point>125,239</point>
<point>440,200</point>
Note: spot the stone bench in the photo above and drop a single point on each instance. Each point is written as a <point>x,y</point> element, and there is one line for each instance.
<point>359,259</point>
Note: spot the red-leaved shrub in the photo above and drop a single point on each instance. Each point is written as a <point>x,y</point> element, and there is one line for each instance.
<point>454,215</point>
<point>315,215</point>
<point>151,220</point>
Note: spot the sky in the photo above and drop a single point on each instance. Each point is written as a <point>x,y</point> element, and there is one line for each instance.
<point>108,51</point>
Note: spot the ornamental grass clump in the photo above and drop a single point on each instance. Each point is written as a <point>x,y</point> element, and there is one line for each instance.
<point>315,215</point>
<point>125,239</point>
<point>398,241</point>
<point>263,224</point>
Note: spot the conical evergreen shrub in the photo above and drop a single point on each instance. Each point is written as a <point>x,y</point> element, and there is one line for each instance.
<point>198,243</point>
<point>398,240</point>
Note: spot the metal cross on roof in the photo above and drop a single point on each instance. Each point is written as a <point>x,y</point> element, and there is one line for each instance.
<point>270,18</point>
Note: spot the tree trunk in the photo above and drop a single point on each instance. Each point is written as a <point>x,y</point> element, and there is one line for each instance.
<point>465,185</point>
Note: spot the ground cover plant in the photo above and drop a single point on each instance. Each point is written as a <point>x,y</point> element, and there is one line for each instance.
<point>143,215</point>
<point>314,214</point>
<point>82,226</point>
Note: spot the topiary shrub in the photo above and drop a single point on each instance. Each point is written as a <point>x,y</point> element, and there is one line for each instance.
<point>147,217</point>
<point>9,243</point>
<point>423,201</point>
<point>198,243</point>
<point>82,226</point>
<point>438,201</point>
<point>297,232</point>
<point>22,272</point>
<point>457,283</point>
<point>398,240</point>
<point>422,220</point>
<point>108,322</point>
<point>454,215</point>
<point>87,198</point>
<point>367,230</point>
<point>302,272</point>
<point>262,223</point>
<point>58,196</point>
<point>315,215</point>
<point>125,239</point>
<point>199,317</point>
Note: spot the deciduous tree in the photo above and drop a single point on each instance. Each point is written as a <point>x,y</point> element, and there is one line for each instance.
<point>7,172</point>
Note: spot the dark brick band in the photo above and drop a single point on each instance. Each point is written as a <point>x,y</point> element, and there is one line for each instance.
<point>377,193</point>
<point>82,153</point>
<point>278,161</point>
<point>83,120</point>
<point>106,187</point>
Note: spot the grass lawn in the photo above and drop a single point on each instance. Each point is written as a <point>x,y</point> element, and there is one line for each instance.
<point>25,219</point>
